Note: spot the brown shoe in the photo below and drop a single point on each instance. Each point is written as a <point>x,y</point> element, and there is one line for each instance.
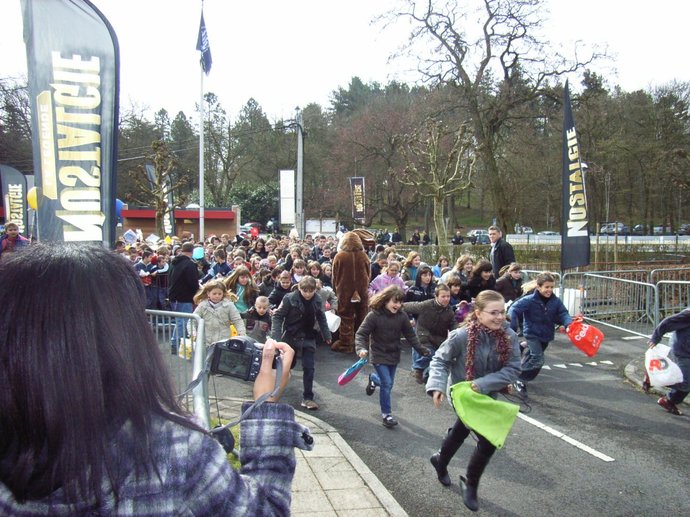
<point>418,376</point>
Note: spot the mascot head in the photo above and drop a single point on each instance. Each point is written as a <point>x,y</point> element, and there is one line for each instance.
<point>350,242</point>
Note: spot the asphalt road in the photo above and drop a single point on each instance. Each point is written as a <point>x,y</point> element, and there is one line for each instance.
<point>536,473</point>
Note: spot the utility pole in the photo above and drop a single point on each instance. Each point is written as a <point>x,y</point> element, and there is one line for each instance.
<point>299,194</point>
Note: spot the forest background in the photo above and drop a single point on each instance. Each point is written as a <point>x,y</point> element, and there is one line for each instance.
<point>477,138</point>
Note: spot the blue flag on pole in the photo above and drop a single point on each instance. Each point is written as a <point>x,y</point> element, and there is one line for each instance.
<point>203,46</point>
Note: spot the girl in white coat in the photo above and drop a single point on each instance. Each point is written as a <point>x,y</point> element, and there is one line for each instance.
<point>218,312</point>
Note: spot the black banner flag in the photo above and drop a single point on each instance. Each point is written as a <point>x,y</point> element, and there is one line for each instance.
<point>575,217</point>
<point>14,197</point>
<point>73,65</point>
<point>357,187</point>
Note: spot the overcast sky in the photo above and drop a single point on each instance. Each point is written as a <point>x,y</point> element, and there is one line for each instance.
<point>290,53</point>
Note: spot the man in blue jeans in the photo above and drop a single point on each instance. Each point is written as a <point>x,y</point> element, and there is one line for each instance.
<point>182,286</point>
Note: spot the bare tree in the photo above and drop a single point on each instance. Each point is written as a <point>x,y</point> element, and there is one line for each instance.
<point>439,164</point>
<point>494,60</point>
<point>158,192</point>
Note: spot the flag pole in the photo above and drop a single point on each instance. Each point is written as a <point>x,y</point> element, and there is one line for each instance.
<point>201,158</point>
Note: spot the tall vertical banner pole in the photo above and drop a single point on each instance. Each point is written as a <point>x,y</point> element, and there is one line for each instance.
<point>203,46</point>
<point>201,161</point>
<point>575,217</point>
<point>73,65</point>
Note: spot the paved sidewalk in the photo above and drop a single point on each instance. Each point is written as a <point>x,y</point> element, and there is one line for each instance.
<point>331,480</point>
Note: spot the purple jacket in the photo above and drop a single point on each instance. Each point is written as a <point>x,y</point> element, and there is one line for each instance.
<point>383,280</point>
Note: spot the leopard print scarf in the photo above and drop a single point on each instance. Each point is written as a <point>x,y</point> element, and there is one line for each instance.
<point>500,337</point>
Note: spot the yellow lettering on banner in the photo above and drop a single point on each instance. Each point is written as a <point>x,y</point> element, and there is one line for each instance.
<point>75,63</point>
<point>76,137</point>
<point>15,205</point>
<point>69,176</point>
<point>91,119</point>
<point>82,227</point>
<point>69,95</point>
<point>46,144</point>
<point>77,96</point>
<point>577,214</point>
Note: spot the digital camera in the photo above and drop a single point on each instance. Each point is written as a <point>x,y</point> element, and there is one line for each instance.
<point>239,356</point>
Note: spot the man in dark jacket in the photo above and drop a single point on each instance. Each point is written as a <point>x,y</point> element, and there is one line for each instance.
<point>501,252</point>
<point>183,283</point>
<point>293,323</point>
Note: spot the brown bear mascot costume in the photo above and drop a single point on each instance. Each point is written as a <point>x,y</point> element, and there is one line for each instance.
<point>351,270</point>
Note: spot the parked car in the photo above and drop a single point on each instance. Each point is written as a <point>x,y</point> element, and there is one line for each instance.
<point>527,229</point>
<point>662,230</point>
<point>481,238</point>
<point>639,229</point>
<point>472,235</point>
<point>247,227</point>
<point>547,232</point>
<point>614,228</point>
<point>684,229</point>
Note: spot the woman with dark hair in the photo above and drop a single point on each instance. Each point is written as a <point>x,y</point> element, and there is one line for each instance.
<point>424,288</point>
<point>486,352</point>
<point>89,421</point>
<point>481,278</point>
<point>510,283</point>
<point>258,248</point>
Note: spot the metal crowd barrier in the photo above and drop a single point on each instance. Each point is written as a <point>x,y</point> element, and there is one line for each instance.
<point>184,370</point>
<point>633,301</point>
<point>672,297</point>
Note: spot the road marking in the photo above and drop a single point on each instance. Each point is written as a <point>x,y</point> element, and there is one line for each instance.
<point>565,438</point>
<point>546,367</point>
<point>605,362</point>
<point>576,364</point>
<point>560,366</point>
<point>631,338</point>
<point>593,363</point>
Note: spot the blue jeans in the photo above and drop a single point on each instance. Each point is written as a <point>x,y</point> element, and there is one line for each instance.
<point>422,362</point>
<point>533,359</point>
<point>180,330</point>
<point>384,378</point>
<point>680,391</point>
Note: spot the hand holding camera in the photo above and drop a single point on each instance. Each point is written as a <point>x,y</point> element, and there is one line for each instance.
<point>266,380</point>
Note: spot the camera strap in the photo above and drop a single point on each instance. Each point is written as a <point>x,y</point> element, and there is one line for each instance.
<point>207,369</point>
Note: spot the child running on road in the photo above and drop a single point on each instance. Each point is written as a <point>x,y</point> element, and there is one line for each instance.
<point>538,313</point>
<point>379,338</point>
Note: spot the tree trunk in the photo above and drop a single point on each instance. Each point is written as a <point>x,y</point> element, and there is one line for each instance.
<point>444,247</point>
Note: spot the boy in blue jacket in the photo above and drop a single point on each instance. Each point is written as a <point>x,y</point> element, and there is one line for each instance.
<point>538,313</point>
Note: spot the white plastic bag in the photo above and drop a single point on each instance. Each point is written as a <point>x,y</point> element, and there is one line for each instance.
<point>333,321</point>
<point>661,369</point>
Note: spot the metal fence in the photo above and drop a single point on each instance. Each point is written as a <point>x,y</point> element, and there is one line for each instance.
<point>633,301</point>
<point>184,368</point>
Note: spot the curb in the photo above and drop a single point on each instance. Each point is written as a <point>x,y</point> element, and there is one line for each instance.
<point>381,492</point>
<point>387,501</point>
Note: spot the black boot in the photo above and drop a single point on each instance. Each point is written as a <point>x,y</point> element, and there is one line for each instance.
<point>469,494</point>
<point>475,469</point>
<point>441,469</point>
